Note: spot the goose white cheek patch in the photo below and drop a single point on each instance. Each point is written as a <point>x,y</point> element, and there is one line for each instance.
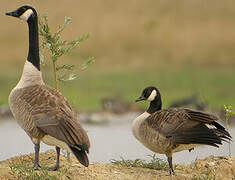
<point>152,95</point>
<point>25,16</point>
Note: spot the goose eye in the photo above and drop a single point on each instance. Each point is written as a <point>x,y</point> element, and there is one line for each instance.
<point>149,92</point>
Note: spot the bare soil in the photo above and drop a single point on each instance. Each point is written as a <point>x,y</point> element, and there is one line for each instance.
<point>209,168</point>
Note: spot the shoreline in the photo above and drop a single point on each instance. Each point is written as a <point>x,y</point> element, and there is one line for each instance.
<point>219,167</point>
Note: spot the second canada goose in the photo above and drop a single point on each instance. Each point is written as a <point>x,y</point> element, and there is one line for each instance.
<point>166,131</point>
<point>41,111</point>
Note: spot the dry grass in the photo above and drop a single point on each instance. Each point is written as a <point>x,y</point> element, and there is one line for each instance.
<point>133,33</point>
<point>205,169</point>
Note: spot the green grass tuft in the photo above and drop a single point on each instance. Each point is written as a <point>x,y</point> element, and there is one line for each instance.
<point>154,163</point>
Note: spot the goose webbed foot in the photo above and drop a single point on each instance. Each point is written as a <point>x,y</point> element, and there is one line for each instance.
<point>171,172</point>
<point>36,166</point>
<point>53,168</point>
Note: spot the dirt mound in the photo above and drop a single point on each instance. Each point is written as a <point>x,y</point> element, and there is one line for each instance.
<point>209,168</point>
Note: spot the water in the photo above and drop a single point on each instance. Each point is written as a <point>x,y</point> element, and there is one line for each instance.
<point>107,142</point>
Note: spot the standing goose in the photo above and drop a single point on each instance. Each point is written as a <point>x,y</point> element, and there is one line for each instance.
<point>166,131</point>
<point>41,111</point>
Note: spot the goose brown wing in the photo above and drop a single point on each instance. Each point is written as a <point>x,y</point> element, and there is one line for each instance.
<point>170,121</point>
<point>185,126</point>
<point>52,114</point>
<point>61,128</point>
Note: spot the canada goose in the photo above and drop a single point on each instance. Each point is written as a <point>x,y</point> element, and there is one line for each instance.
<point>42,111</point>
<point>166,131</point>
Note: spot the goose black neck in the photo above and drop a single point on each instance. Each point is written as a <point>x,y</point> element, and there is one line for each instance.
<point>155,105</point>
<point>33,54</point>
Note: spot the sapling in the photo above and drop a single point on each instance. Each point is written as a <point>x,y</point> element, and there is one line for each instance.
<point>228,114</point>
<point>56,47</point>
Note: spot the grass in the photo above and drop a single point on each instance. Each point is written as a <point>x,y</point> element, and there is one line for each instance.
<point>215,86</point>
<point>22,172</point>
<point>208,174</point>
<point>205,175</point>
<point>125,33</point>
<point>154,163</point>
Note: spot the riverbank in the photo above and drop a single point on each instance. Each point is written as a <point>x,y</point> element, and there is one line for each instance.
<point>109,116</point>
<point>212,167</point>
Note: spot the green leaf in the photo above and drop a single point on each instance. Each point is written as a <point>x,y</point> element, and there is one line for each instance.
<point>88,62</point>
<point>65,67</point>
<point>67,20</point>
<point>228,110</point>
<point>83,37</point>
<point>67,77</point>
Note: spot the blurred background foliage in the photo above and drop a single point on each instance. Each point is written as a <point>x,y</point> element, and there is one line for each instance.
<point>182,47</point>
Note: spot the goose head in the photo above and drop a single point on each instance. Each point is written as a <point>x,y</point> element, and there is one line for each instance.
<point>153,95</point>
<point>25,13</point>
<point>149,94</point>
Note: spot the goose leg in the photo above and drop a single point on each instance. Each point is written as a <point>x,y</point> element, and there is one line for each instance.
<point>57,165</point>
<point>169,159</point>
<point>36,160</point>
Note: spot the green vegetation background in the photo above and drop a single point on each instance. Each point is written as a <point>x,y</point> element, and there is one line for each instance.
<point>181,47</point>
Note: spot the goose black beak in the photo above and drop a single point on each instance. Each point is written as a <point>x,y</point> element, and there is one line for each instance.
<point>13,13</point>
<point>141,98</point>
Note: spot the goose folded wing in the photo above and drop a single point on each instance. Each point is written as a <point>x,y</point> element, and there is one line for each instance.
<point>171,121</point>
<point>60,127</point>
<point>201,116</point>
<point>207,119</point>
<point>189,127</point>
